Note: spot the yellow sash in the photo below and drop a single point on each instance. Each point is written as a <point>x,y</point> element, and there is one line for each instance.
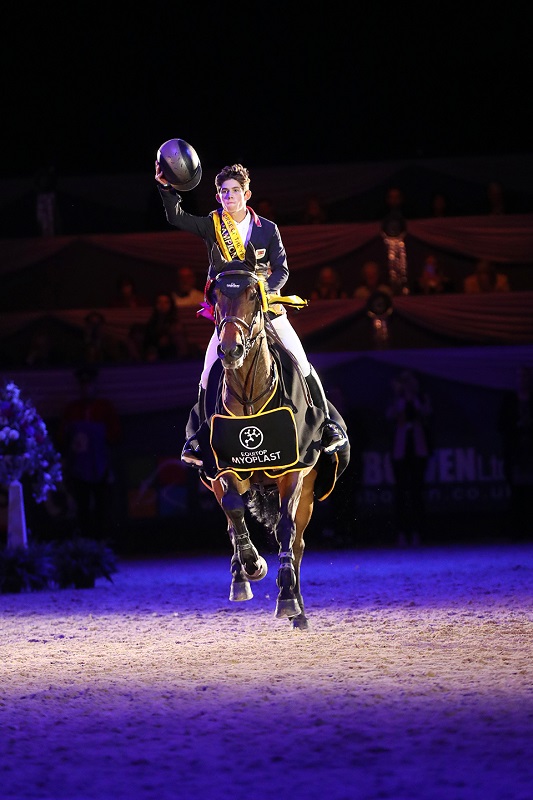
<point>231,244</point>
<point>228,237</point>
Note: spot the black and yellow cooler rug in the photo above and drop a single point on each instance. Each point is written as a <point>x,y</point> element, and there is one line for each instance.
<point>284,437</point>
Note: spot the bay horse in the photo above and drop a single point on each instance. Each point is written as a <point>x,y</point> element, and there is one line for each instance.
<point>251,390</point>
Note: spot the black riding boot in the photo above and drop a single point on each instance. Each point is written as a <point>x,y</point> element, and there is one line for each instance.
<point>333,436</point>
<point>191,453</point>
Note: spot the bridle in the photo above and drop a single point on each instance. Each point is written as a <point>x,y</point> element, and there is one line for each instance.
<point>249,339</point>
<point>245,329</point>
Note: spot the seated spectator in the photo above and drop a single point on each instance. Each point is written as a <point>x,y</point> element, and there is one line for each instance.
<point>126,295</point>
<point>98,344</point>
<point>396,212</point>
<point>433,280</point>
<point>43,349</point>
<point>328,286</point>
<point>135,342</point>
<point>265,208</point>
<point>164,335</point>
<point>314,212</point>
<point>371,281</point>
<point>486,279</point>
<point>440,205</point>
<point>186,293</point>
<point>495,199</point>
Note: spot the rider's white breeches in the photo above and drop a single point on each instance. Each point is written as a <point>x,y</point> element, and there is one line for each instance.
<point>286,333</point>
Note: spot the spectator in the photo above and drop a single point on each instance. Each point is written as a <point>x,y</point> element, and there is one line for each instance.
<point>164,336</point>
<point>127,296</point>
<point>314,212</point>
<point>495,199</point>
<point>46,203</point>
<point>440,206</point>
<point>409,412</point>
<point>99,346</point>
<point>515,425</point>
<point>393,232</point>
<point>485,278</point>
<point>265,208</point>
<point>88,429</point>
<point>328,285</point>
<point>371,281</point>
<point>433,279</point>
<point>135,345</point>
<point>43,350</point>
<point>394,218</point>
<point>186,293</point>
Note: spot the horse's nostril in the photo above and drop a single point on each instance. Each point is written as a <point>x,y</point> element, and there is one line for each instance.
<point>233,353</point>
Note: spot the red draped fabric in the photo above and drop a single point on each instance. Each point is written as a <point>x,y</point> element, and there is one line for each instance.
<point>506,239</point>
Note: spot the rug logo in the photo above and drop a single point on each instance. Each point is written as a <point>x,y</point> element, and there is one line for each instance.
<point>251,437</point>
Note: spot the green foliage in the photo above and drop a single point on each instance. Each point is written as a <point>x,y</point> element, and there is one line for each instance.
<point>74,563</point>
<point>79,561</point>
<point>26,569</point>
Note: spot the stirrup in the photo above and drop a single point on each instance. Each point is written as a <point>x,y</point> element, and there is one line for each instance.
<point>333,438</point>
<point>191,454</point>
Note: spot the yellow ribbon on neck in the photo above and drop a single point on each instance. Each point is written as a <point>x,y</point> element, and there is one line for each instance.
<point>228,237</point>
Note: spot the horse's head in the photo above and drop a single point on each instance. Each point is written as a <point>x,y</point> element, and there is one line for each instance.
<point>233,291</point>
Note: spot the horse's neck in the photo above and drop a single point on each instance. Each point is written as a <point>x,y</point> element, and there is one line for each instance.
<point>247,389</point>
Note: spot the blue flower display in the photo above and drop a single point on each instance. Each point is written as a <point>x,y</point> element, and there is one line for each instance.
<point>25,445</point>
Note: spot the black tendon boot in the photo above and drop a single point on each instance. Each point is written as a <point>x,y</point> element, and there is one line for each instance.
<point>191,453</point>
<point>333,436</point>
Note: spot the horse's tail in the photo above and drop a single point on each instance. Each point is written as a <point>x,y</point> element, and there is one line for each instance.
<point>263,505</point>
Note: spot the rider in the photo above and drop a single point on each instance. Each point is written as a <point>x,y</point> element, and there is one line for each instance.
<point>232,226</point>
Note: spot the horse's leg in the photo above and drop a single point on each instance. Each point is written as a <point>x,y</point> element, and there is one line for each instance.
<point>290,489</point>
<point>246,563</point>
<point>302,519</point>
<point>240,588</point>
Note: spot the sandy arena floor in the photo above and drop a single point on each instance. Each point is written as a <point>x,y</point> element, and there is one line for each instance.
<point>415,681</point>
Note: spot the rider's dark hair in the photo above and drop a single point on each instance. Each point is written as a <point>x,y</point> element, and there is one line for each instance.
<point>237,172</point>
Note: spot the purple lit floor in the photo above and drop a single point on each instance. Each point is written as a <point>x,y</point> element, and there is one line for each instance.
<point>415,681</point>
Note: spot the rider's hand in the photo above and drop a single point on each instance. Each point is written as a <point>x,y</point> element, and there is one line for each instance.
<point>160,178</point>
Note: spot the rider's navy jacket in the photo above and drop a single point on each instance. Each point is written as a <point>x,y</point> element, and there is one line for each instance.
<point>265,237</point>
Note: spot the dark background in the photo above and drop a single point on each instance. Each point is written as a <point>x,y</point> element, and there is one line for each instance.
<point>96,88</point>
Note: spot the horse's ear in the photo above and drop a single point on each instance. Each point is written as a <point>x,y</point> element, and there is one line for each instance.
<point>217,259</point>
<point>250,257</point>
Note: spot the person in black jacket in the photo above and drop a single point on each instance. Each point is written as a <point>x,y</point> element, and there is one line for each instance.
<point>232,226</point>
<point>515,425</point>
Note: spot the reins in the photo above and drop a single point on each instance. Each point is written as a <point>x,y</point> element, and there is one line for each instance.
<point>246,399</point>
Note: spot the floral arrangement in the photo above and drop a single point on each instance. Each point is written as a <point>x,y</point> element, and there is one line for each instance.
<point>25,445</point>
<point>75,563</point>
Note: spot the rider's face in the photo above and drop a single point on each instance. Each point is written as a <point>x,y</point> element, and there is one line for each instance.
<point>233,197</point>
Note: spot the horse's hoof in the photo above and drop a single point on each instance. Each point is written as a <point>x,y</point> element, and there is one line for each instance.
<point>287,608</point>
<point>260,572</point>
<point>240,590</point>
<point>300,623</point>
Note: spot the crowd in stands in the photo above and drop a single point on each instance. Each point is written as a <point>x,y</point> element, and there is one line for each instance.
<point>162,336</point>
<point>159,334</point>
<point>374,278</point>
